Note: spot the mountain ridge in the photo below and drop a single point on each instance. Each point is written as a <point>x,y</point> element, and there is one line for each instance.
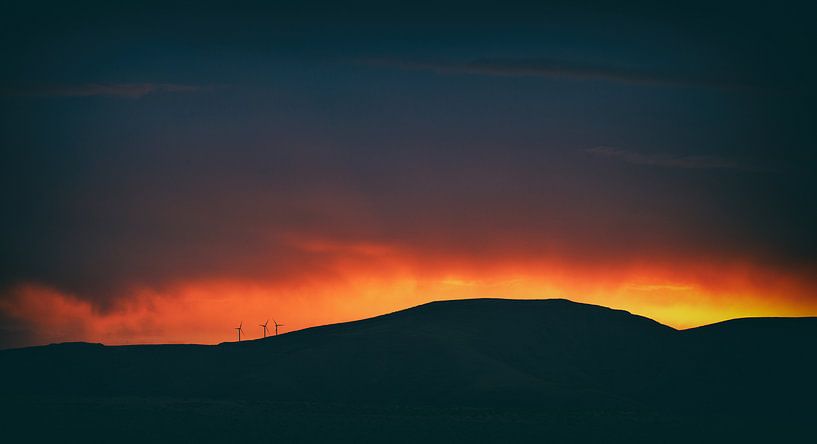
<point>438,303</point>
<point>555,358</point>
<point>420,307</point>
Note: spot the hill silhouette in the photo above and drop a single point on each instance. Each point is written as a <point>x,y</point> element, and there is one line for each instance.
<point>568,360</point>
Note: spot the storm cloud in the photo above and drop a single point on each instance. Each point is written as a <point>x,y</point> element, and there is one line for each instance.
<point>669,160</point>
<point>310,168</point>
<point>117,90</point>
<point>570,70</point>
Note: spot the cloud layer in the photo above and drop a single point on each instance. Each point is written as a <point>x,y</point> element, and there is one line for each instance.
<point>568,70</point>
<point>331,190</point>
<point>670,161</point>
<point>115,90</point>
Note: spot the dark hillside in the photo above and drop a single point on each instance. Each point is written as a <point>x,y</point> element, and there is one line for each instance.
<point>537,367</point>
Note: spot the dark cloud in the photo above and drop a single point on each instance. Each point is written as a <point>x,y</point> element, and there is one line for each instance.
<point>14,331</point>
<point>571,70</point>
<point>670,160</point>
<point>108,194</point>
<point>116,90</point>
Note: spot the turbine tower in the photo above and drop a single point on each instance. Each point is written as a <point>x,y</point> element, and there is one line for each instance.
<point>239,330</point>
<point>264,326</point>
<point>276,326</point>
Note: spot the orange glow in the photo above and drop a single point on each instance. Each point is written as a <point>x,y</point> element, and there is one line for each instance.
<point>205,311</point>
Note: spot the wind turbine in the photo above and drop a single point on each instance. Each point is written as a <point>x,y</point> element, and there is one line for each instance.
<point>276,326</point>
<point>264,326</point>
<point>239,330</point>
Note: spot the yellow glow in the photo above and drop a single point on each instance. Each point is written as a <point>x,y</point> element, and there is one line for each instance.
<point>207,311</point>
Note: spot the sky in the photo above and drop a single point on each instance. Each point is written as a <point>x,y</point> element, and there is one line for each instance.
<point>172,169</point>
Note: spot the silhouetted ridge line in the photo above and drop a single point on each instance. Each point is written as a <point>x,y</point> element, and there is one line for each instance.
<point>553,354</point>
<point>469,307</point>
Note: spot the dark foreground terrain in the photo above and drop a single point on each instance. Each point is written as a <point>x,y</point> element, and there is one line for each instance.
<point>483,370</point>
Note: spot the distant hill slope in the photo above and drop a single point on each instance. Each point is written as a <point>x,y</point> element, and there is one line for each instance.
<point>471,352</point>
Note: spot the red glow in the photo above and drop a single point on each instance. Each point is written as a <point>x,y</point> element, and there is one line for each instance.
<point>375,281</point>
